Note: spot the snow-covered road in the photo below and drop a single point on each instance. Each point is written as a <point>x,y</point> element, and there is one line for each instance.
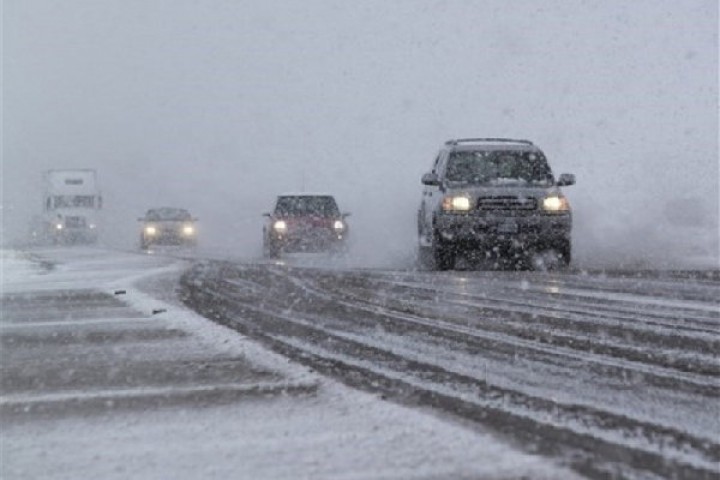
<point>617,372</point>
<point>104,374</point>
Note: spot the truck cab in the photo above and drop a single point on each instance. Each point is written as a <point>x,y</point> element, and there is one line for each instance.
<point>71,206</point>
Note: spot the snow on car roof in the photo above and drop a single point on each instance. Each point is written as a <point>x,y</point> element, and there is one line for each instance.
<point>495,146</point>
<point>167,213</point>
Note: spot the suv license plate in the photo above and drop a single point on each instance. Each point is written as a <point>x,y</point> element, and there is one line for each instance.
<point>507,227</point>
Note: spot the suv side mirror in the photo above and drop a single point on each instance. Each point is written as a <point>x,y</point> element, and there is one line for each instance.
<point>266,215</point>
<point>346,214</point>
<point>566,179</point>
<point>431,179</point>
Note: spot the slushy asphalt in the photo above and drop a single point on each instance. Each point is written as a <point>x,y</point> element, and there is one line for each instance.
<point>103,374</point>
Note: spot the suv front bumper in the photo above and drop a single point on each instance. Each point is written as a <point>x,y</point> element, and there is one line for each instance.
<point>472,230</point>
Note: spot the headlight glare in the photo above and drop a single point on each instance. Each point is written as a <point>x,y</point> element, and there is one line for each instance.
<point>556,203</point>
<point>280,226</point>
<point>456,204</point>
<point>188,230</point>
<point>150,230</point>
<point>59,226</point>
<point>339,226</point>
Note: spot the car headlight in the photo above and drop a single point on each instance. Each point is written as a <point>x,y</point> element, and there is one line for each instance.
<point>556,203</point>
<point>280,226</point>
<point>188,230</point>
<point>456,204</point>
<point>339,226</point>
<point>150,230</point>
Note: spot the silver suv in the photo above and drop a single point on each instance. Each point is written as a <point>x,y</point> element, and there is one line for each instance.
<point>496,198</point>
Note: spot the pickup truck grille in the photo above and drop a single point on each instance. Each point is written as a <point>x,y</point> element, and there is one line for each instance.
<point>506,203</point>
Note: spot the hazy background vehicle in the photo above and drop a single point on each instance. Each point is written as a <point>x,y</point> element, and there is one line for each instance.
<point>168,226</point>
<point>71,208</point>
<point>305,223</point>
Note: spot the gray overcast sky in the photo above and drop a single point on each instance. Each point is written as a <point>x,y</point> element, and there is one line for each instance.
<point>220,105</point>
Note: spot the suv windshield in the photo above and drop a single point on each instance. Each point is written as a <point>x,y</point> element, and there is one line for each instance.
<point>304,205</point>
<point>498,167</point>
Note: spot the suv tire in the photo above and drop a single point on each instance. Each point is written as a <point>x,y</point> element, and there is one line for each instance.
<point>565,252</point>
<point>443,254</point>
<point>272,251</point>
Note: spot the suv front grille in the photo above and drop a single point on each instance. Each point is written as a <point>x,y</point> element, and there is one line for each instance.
<point>506,203</point>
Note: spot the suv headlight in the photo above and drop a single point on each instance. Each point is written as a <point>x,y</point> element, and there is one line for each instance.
<point>339,226</point>
<point>280,226</point>
<point>556,203</point>
<point>459,203</point>
<point>150,230</point>
<point>188,230</point>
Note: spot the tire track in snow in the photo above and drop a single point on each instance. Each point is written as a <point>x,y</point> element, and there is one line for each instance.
<point>293,314</point>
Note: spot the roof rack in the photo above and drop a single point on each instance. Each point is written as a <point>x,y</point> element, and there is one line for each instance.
<point>491,140</point>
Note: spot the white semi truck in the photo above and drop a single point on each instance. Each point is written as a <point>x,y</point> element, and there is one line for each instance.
<point>71,207</point>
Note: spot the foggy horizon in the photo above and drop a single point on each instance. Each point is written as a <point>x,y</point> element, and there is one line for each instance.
<point>218,107</point>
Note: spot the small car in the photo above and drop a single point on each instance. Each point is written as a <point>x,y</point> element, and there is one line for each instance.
<point>493,197</point>
<point>305,223</point>
<point>168,226</point>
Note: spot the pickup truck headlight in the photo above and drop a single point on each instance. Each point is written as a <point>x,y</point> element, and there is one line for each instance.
<point>280,226</point>
<point>459,203</point>
<point>556,203</point>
